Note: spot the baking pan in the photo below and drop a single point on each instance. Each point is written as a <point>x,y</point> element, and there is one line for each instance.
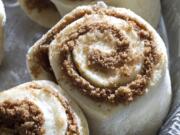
<point>21,33</point>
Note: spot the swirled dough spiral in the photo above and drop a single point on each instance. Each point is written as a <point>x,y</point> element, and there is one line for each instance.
<point>113,63</point>
<point>45,12</point>
<point>37,108</point>
<point>2,23</point>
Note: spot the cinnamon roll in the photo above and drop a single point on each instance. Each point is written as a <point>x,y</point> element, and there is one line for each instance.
<point>37,108</point>
<point>113,63</point>
<point>42,12</point>
<point>2,23</point>
<point>39,10</point>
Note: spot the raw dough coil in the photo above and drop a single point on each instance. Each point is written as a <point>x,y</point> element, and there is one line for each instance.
<point>113,63</point>
<point>37,108</point>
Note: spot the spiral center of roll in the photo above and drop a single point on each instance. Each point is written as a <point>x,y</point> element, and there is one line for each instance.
<point>106,55</point>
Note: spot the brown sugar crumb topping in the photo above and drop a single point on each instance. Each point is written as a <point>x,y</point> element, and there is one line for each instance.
<point>39,4</point>
<point>118,57</point>
<point>110,61</point>
<point>72,124</point>
<point>21,118</point>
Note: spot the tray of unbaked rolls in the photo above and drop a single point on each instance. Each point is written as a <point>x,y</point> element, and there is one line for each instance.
<point>89,67</point>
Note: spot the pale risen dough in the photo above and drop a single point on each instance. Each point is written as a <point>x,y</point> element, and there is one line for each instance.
<point>44,95</point>
<point>146,113</point>
<point>2,23</point>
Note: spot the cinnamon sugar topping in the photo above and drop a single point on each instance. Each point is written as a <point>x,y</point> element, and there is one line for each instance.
<point>113,60</point>
<point>21,118</point>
